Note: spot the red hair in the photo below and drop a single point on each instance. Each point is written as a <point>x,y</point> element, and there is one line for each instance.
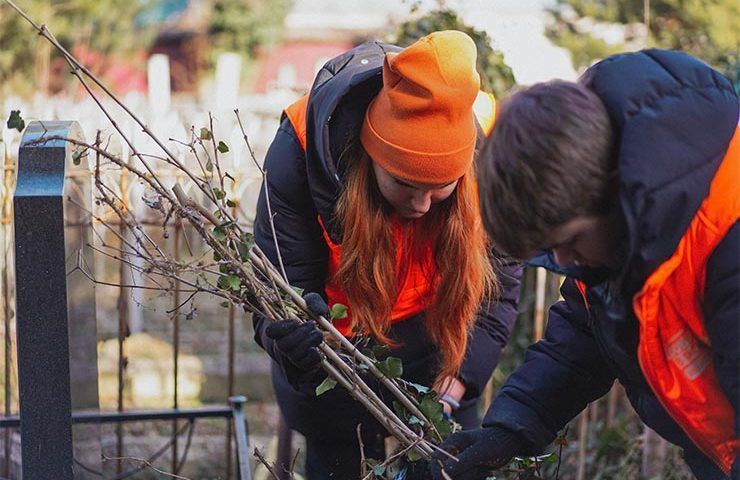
<point>368,273</point>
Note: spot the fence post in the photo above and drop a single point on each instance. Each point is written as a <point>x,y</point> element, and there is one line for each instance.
<point>242,437</point>
<point>43,327</point>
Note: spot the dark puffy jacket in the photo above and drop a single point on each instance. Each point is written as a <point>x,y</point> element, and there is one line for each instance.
<point>674,118</point>
<point>304,186</point>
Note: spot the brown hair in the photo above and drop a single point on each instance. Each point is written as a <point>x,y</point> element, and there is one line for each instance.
<point>549,159</point>
<point>462,275</point>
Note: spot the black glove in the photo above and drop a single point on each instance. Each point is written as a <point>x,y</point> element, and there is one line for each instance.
<point>297,341</point>
<point>479,451</point>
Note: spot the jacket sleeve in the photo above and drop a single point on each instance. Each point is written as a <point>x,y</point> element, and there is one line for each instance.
<point>722,315</point>
<point>300,239</point>
<point>560,375</point>
<point>491,331</point>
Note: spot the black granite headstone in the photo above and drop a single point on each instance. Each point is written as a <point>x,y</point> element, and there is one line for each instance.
<point>56,328</point>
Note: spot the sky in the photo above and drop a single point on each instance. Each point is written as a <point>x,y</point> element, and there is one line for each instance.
<point>517,29</point>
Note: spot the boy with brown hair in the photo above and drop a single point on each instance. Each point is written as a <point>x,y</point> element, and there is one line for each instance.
<point>628,183</point>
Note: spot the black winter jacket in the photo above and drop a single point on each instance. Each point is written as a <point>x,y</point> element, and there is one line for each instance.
<point>674,118</point>
<point>306,185</point>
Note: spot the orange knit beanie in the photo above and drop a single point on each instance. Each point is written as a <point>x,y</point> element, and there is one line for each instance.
<point>421,127</point>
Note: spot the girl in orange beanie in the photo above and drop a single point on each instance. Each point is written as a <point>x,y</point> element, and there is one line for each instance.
<point>373,198</point>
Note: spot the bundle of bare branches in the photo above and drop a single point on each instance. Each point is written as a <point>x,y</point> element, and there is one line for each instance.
<point>239,272</point>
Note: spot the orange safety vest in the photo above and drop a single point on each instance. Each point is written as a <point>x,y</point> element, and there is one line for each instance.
<point>415,287</point>
<point>674,350</point>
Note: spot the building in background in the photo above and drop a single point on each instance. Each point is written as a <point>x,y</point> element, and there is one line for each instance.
<point>318,30</point>
<point>182,35</point>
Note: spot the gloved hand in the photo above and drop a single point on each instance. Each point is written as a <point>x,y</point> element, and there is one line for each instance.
<point>479,451</point>
<point>297,341</point>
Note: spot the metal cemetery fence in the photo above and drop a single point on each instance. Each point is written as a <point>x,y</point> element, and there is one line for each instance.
<point>56,328</point>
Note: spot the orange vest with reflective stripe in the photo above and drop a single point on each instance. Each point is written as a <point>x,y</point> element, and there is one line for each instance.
<point>674,350</point>
<point>415,287</point>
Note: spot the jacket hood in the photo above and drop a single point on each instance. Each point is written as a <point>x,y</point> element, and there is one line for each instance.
<point>339,97</point>
<point>674,118</point>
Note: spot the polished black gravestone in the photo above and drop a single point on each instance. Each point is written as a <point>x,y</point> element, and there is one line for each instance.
<point>56,328</point>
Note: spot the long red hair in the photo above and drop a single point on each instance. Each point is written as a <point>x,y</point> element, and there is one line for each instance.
<point>370,275</point>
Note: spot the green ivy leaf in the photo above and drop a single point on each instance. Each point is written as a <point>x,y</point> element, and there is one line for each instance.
<point>77,157</point>
<point>379,470</point>
<point>431,408</point>
<point>400,410</point>
<point>218,193</point>
<point>444,427</point>
<point>230,282</point>
<point>230,203</point>
<point>414,420</point>
<point>413,455</point>
<point>205,134</point>
<point>325,386</point>
<point>219,234</point>
<point>392,367</point>
<point>16,121</point>
<point>209,166</point>
<point>245,246</point>
<point>222,147</point>
<point>380,350</point>
<point>338,311</point>
<point>540,459</point>
<point>225,304</point>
